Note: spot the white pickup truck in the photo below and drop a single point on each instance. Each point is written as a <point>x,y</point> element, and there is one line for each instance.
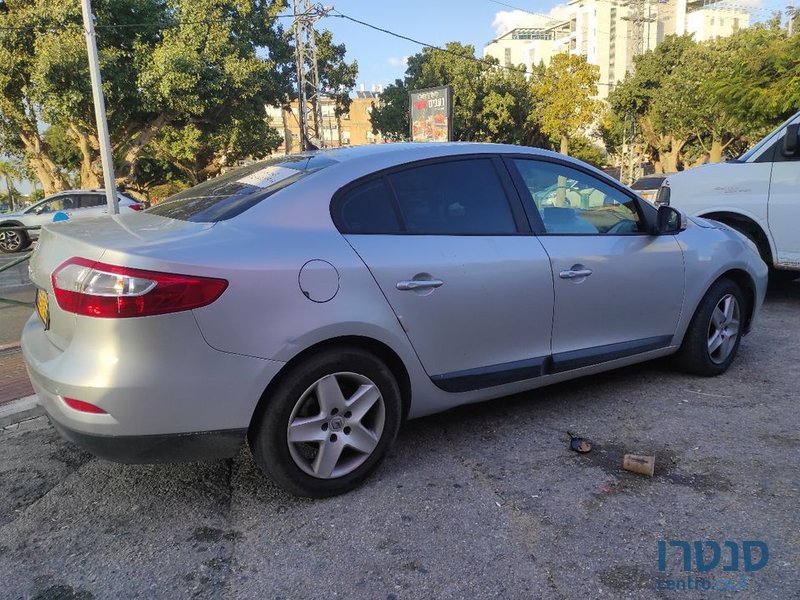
<point>757,194</point>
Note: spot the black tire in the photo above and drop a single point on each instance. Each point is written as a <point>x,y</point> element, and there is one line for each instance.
<point>13,240</point>
<point>694,355</point>
<point>295,399</point>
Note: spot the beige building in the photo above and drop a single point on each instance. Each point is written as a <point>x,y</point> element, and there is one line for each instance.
<point>609,33</point>
<point>352,128</point>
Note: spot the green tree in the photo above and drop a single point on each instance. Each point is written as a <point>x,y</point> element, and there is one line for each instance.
<point>756,78</point>
<point>9,171</point>
<point>490,103</point>
<point>177,74</point>
<point>389,116</point>
<point>655,99</point>
<point>566,88</point>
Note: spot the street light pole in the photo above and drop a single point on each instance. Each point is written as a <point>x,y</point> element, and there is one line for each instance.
<point>99,108</point>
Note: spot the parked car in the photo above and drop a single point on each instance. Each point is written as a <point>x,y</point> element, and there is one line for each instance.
<point>311,303</point>
<point>76,204</point>
<point>647,187</point>
<point>756,194</point>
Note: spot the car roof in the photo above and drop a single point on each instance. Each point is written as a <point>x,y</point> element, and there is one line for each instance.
<point>366,159</point>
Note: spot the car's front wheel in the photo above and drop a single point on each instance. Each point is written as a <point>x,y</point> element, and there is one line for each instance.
<point>713,337</point>
<point>328,423</point>
<point>13,240</point>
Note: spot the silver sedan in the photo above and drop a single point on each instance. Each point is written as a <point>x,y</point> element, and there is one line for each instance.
<point>309,304</point>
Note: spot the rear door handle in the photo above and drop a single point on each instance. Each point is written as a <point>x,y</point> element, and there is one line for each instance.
<point>422,284</point>
<point>575,273</point>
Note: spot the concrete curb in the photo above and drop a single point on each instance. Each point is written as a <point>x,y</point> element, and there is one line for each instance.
<point>20,410</point>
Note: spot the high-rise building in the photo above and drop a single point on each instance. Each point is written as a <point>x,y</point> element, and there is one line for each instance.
<point>609,33</point>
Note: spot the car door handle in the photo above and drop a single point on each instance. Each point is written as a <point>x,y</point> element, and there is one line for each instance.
<point>419,284</point>
<point>575,273</point>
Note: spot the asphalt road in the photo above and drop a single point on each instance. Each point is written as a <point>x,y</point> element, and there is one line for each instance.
<point>481,502</point>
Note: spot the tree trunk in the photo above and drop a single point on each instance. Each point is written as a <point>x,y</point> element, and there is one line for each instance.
<point>48,174</point>
<point>10,194</point>
<point>43,167</point>
<point>124,167</point>
<point>671,159</point>
<point>89,179</point>
<point>715,155</point>
<point>564,145</point>
<point>287,134</point>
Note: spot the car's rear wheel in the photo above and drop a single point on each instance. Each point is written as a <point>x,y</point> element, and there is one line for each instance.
<point>713,337</point>
<point>329,423</point>
<point>13,241</point>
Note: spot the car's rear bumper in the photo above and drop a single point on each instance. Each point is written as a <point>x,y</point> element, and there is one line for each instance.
<point>167,395</point>
<point>178,447</point>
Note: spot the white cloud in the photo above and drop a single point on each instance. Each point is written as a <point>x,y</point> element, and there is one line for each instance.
<point>506,20</point>
<point>398,62</point>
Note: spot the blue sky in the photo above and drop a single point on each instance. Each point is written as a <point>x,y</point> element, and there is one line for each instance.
<point>474,22</point>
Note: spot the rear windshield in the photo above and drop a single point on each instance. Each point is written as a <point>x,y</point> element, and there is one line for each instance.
<point>231,194</point>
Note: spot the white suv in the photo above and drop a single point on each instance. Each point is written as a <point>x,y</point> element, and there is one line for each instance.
<point>76,204</point>
<point>757,194</point>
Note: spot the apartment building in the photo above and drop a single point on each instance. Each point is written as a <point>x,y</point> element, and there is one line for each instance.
<point>352,128</point>
<point>609,33</point>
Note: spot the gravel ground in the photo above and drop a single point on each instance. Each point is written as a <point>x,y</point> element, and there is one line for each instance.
<point>485,501</point>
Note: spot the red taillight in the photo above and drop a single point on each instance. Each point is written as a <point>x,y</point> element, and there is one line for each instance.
<point>96,289</point>
<point>135,206</point>
<point>84,406</point>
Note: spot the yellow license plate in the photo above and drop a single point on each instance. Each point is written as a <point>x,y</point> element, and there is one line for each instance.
<point>43,308</point>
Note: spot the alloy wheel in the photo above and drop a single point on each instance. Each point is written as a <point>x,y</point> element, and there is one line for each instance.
<point>336,425</point>
<point>723,329</point>
<point>10,241</point>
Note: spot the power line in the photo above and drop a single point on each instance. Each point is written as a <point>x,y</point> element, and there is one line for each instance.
<point>340,15</point>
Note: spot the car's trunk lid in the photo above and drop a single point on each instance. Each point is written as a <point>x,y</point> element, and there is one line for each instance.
<point>93,239</point>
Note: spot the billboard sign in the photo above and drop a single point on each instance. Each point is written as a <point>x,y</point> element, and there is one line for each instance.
<point>431,114</point>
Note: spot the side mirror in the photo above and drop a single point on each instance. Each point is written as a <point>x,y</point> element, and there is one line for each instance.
<point>791,143</point>
<point>670,220</point>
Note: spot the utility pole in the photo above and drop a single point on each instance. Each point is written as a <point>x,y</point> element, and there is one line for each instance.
<point>308,84</point>
<point>100,108</point>
<point>639,14</point>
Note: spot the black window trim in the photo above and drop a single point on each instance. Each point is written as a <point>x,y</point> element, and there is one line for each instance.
<point>535,219</point>
<point>509,190</point>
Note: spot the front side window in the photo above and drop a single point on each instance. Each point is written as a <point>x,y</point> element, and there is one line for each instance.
<point>54,205</point>
<point>462,197</point>
<point>572,202</point>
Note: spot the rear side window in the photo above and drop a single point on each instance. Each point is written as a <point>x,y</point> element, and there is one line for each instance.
<point>369,208</point>
<point>92,200</point>
<point>229,195</point>
<point>463,197</point>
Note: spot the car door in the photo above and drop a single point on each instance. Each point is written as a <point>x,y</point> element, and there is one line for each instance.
<point>91,205</point>
<point>783,211</point>
<point>43,213</point>
<point>618,289</point>
<point>470,287</point>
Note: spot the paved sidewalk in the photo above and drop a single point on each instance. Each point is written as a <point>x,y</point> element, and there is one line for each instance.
<point>14,382</point>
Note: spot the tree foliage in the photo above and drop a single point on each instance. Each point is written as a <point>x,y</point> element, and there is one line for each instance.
<point>186,83</point>
<point>693,101</point>
<point>490,103</point>
<point>566,87</point>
